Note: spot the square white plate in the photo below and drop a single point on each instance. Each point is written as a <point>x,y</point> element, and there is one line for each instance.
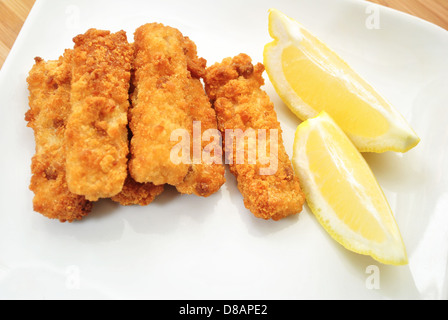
<point>185,247</point>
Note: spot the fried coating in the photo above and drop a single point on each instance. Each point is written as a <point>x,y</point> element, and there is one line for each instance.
<point>169,96</point>
<point>234,86</point>
<point>206,176</point>
<point>136,193</point>
<point>96,135</point>
<point>158,104</point>
<point>49,101</point>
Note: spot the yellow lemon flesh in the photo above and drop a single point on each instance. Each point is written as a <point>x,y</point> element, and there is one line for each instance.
<point>343,193</point>
<point>310,78</point>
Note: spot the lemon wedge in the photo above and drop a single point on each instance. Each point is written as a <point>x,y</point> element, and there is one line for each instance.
<point>343,193</point>
<point>310,77</point>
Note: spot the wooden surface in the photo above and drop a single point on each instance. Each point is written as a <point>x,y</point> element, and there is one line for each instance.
<point>12,15</point>
<point>14,12</point>
<point>435,11</point>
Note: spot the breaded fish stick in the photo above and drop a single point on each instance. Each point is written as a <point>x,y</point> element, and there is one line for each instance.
<point>158,104</point>
<point>234,87</point>
<point>49,100</point>
<point>96,136</point>
<point>205,176</point>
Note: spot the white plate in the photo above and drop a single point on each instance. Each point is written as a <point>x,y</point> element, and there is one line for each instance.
<point>185,247</point>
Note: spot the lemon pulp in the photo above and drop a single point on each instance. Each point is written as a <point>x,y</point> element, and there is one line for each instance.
<point>310,78</point>
<point>334,177</point>
<point>343,193</point>
<point>306,78</point>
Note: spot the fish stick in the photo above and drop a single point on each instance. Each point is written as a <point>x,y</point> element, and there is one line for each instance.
<point>49,101</point>
<point>136,193</point>
<point>158,104</point>
<point>96,135</point>
<point>206,175</point>
<point>234,86</point>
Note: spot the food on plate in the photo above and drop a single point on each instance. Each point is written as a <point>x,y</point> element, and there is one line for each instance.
<point>234,88</point>
<point>49,108</point>
<point>80,110</point>
<point>158,104</point>
<point>96,132</point>
<point>310,78</point>
<point>343,193</point>
<point>104,116</point>
<point>205,176</point>
<point>169,96</point>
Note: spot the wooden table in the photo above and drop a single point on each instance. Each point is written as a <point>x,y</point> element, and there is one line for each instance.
<point>14,12</point>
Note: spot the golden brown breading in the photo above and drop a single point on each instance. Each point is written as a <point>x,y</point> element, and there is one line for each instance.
<point>169,96</point>
<point>158,104</point>
<point>96,135</point>
<point>205,178</point>
<point>49,100</point>
<point>137,193</point>
<point>240,103</point>
<point>196,65</point>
